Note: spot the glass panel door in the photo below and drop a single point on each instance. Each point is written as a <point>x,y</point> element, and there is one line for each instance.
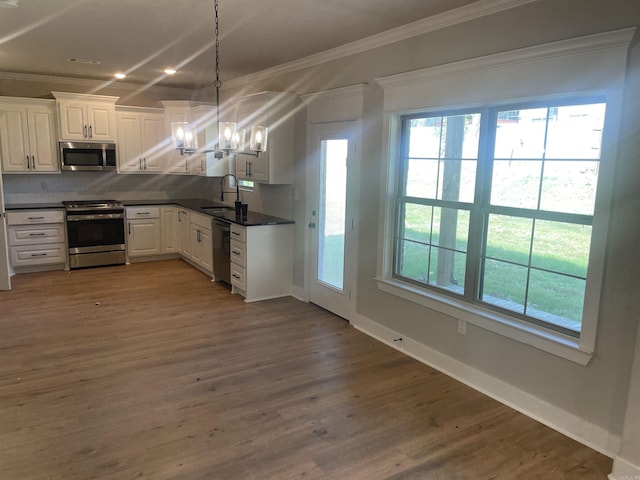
<point>332,212</point>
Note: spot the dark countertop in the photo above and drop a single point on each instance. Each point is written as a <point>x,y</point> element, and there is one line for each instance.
<point>31,206</point>
<point>201,206</point>
<point>195,204</point>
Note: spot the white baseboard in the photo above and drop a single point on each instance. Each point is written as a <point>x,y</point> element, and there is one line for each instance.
<point>571,425</point>
<point>299,293</point>
<point>624,470</point>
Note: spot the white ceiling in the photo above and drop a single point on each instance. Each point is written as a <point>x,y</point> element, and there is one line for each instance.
<point>142,37</point>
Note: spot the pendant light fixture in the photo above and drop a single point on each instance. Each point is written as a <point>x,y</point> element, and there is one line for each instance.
<point>184,135</point>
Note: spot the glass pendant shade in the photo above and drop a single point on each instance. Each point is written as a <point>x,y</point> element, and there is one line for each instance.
<point>259,136</point>
<point>184,138</point>
<point>228,136</point>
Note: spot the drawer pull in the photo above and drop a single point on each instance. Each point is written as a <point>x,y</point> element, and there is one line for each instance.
<point>36,218</point>
<point>38,254</point>
<point>236,233</point>
<point>235,252</point>
<point>236,276</point>
<point>41,234</point>
<point>143,213</point>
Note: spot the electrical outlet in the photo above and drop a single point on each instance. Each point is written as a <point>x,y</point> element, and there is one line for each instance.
<point>462,327</point>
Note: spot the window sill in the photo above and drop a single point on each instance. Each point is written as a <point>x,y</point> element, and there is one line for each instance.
<point>552,342</point>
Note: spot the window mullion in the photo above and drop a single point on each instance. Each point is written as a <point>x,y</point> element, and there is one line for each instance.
<point>478,213</point>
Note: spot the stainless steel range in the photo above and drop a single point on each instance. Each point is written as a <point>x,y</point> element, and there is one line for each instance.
<point>95,231</point>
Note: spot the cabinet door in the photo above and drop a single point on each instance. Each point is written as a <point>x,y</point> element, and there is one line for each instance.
<point>42,139</point>
<point>152,132</point>
<point>206,249</point>
<point>184,233</point>
<point>144,237</point>
<point>201,246</point>
<point>129,143</point>
<point>73,121</point>
<point>100,119</point>
<point>14,138</point>
<point>176,163</point>
<point>169,229</point>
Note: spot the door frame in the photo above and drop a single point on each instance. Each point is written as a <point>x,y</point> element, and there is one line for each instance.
<point>351,129</point>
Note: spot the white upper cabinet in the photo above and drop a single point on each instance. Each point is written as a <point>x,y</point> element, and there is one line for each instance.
<point>28,136</point>
<point>141,140</point>
<point>86,117</point>
<point>176,111</point>
<point>276,111</point>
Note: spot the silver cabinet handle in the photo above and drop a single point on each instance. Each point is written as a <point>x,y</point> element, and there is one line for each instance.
<point>28,163</point>
<point>140,163</point>
<point>236,276</point>
<point>144,161</point>
<point>84,131</point>
<point>36,218</point>
<point>90,131</point>
<point>38,254</point>
<point>129,227</point>
<point>235,233</point>
<point>41,234</point>
<point>33,161</point>
<point>235,252</point>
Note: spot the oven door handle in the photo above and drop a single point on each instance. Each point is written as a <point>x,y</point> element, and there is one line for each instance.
<point>96,216</point>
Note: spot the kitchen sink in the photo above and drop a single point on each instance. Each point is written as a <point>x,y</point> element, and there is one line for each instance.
<point>217,209</point>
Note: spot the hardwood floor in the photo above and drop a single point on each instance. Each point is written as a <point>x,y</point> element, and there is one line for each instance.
<point>152,371</point>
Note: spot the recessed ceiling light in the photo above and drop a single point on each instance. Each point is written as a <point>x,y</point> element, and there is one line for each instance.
<point>120,76</point>
<point>169,71</point>
<point>9,3</point>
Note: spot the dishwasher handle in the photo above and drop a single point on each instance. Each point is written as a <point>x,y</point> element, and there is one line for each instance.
<point>222,225</point>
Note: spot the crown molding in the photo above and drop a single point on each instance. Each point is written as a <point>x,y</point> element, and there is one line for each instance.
<point>599,42</point>
<point>94,85</point>
<point>456,16</point>
<point>335,93</point>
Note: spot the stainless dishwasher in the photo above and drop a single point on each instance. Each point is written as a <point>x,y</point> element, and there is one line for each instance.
<point>222,250</point>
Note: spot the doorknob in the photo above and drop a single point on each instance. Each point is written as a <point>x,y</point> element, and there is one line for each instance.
<point>312,224</point>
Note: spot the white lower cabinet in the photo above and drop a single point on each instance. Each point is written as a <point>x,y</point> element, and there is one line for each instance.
<point>201,241</point>
<point>143,231</point>
<point>37,240</point>
<point>184,233</point>
<point>256,274</point>
<point>169,229</point>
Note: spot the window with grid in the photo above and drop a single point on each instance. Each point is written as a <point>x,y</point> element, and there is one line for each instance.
<point>495,206</point>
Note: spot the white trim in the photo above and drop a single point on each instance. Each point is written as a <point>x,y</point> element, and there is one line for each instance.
<point>592,63</point>
<point>624,470</point>
<point>446,19</point>
<point>573,426</point>
<point>96,85</point>
<point>534,72</point>
<point>597,43</point>
<point>299,293</point>
<point>337,105</point>
<point>552,342</point>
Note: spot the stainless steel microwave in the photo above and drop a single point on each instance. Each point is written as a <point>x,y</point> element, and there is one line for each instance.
<point>87,156</point>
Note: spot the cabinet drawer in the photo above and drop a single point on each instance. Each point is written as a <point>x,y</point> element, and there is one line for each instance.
<point>142,212</point>
<point>36,235</point>
<point>238,277</point>
<point>26,255</point>
<point>238,233</point>
<point>35,217</point>
<point>238,253</point>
